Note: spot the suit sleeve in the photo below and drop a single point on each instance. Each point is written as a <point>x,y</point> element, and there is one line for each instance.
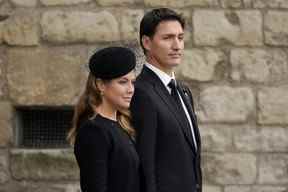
<point>144,117</point>
<point>92,152</point>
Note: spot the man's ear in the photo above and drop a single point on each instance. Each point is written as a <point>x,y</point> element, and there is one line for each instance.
<point>146,42</point>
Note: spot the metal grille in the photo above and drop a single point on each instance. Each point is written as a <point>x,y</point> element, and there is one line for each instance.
<point>43,127</point>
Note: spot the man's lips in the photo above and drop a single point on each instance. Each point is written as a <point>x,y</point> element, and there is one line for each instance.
<point>175,55</point>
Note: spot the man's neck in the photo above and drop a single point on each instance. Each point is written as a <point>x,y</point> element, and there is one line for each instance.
<point>168,71</point>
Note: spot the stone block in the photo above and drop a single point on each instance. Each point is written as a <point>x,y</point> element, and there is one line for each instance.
<point>270,3</point>
<point>229,169</point>
<point>226,104</point>
<point>4,168</point>
<point>211,188</point>
<point>52,165</point>
<point>3,82</point>
<point>276,27</point>
<point>21,29</point>
<point>259,65</point>
<point>273,105</point>
<point>216,138</point>
<point>58,75</point>
<point>24,3</point>
<point>62,2</point>
<point>232,3</point>
<point>129,24</point>
<point>247,139</point>
<point>273,169</point>
<point>217,27</point>
<point>76,27</point>
<point>116,2</point>
<point>200,64</point>
<point>274,139</point>
<point>181,3</point>
<point>5,123</point>
<point>32,186</point>
<point>237,188</point>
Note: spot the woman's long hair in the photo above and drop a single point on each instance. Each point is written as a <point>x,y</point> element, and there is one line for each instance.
<point>84,110</point>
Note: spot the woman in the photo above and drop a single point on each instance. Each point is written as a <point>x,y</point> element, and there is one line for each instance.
<point>101,132</point>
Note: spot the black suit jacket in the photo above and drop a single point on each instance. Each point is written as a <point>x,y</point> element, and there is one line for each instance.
<point>164,139</point>
<point>106,157</point>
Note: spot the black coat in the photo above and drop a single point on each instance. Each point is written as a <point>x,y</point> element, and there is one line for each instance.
<point>106,157</point>
<point>164,141</point>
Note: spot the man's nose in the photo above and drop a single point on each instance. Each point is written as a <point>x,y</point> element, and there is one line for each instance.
<point>176,44</point>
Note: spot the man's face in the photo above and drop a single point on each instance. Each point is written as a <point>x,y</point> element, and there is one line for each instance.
<point>165,48</point>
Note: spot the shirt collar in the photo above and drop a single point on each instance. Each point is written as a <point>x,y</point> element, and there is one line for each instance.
<point>164,77</point>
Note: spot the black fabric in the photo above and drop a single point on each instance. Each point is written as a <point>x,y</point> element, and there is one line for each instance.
<point>175,94</point>
<point>112,62</point>
<point>106,157</point>
<point>164,144</point>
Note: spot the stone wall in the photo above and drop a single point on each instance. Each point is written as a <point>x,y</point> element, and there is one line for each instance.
<point>236,64</point>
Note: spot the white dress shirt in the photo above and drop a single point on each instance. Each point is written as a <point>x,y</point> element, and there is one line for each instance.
<point>165,78</point>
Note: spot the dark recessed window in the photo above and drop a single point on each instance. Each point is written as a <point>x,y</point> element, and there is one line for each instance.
<point>43,127</point>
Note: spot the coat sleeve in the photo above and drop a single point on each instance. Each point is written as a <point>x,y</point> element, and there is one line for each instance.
<point>91,151</point>
<point>144,117</point>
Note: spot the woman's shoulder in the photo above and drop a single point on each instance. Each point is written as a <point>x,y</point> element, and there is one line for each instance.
<point>92,130</point>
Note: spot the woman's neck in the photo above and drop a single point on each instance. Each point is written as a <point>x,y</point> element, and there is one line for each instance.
<point>106,111</point>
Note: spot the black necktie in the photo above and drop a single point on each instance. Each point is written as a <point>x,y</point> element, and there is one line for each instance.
<point>175,95</point>
<point>174,92</point>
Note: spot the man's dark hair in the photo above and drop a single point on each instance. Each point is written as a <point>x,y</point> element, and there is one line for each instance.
<point>151,20</point>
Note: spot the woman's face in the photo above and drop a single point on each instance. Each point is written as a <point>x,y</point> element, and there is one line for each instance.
<point>119,91</point>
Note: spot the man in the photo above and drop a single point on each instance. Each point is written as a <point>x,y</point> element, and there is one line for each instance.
<point>168,139</point>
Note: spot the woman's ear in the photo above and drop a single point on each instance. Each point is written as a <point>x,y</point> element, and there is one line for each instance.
<point>100,85</point>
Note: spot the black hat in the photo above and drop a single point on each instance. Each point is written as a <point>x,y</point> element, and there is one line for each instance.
<point>112,62</point>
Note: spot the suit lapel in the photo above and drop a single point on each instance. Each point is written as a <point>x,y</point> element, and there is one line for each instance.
<point>163,93</point>
<point>185,96</point>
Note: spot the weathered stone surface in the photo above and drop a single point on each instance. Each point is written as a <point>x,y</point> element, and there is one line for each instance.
<point>273,169</point>
<point>4,167</point>
<point>225,104</point>
<point>216,138</point>
<point>130,22</point>
<point>258,65</point>
<point>273,105</point>
<point>211,188</point>
<point>62,2</point>
<point>24,3</point>
<point>269,188</point>
<point>69,27</point>
<point>1,32</point>
<point>58,75</point>
<point>266,139</point>
<point>116,2</point>
<point>247,138</point>
<point>270,3</point>
<point>21,29</point>
<point>274,139</point>
<point>276,28</point>
<point>237,188</point>
<point>44,164</point>
<point>180,3</point>
<point>232,3</point>
<point>186,14</point>
<point>32,186</point>
<point>3,83</point>
<point>222,28</point>
<point>5,123</point>
<point>200,64</point>
<point>228,168</point>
